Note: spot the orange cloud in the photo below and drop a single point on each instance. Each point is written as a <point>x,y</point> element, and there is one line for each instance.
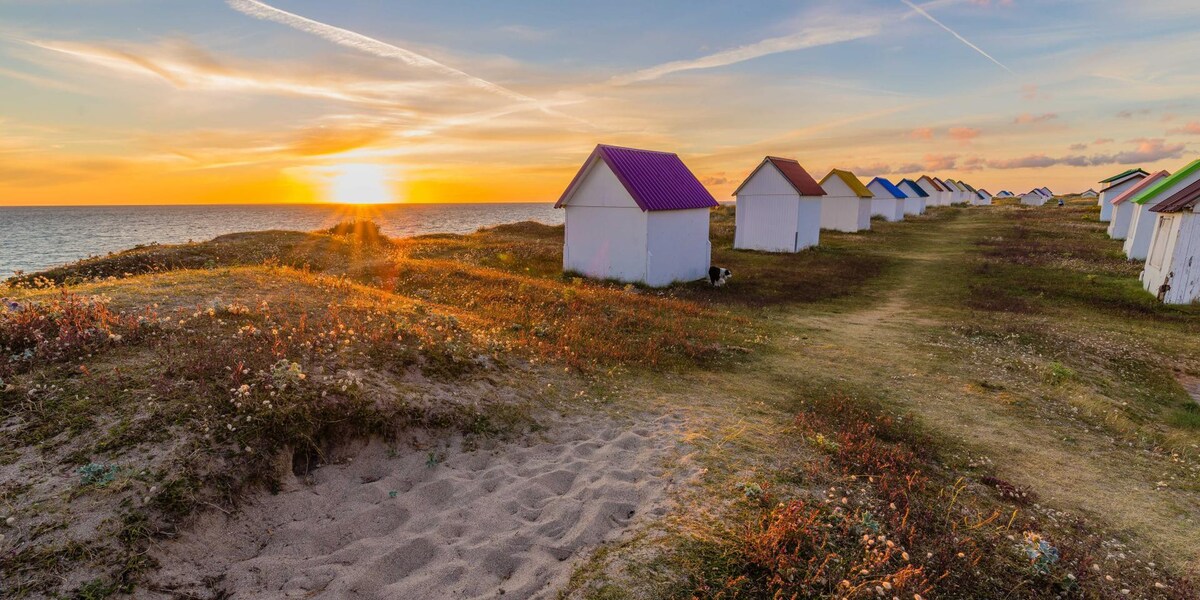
<point>940,162</point>
<point>1027,118</point>
<point>963,134</point>
<point>921,133</point>
<point>1192,128</point>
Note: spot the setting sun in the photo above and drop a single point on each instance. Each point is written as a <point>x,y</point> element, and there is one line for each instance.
<point>360,184</point>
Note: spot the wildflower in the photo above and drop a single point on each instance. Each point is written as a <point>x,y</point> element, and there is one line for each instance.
<point>10,521</point>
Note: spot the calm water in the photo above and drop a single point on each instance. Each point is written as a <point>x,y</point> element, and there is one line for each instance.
<point>35,238</point>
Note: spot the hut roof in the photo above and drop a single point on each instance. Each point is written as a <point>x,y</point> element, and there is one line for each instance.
<point>655,180</point>
<point>1123,175</point>
<point>1141,186</point>
<point>1157,189</point>
<point>889,187</point>
<point>791,170</point>
<point>914,188</point>
<point>851,181</point>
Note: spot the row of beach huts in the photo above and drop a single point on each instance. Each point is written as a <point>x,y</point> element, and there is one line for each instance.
<point>641,216</point>
<point>1156,217</point>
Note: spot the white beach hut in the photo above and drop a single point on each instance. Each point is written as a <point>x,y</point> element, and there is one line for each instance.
<point>956,193</point>
<point>1005,194</point>
<point>914,203</point>
<point>778,208</point>
<point>1124,210</point>
<point>636,216</point>
<point>1173,268</point>
<point>1143,222</point>
<point>1033,198</point>
<point>985,197</point>
<point>888,201</point>
<point>1090,193</point>
<point>847,202</point>
<point>937,193</point>
<point>1113,187</point>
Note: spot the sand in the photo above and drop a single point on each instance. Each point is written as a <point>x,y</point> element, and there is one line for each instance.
<point>510,518</point>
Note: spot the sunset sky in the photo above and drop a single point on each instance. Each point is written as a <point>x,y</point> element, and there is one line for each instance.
<point>139,101</point>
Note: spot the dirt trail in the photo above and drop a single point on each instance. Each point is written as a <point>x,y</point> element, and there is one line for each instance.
<point>1083,469</point>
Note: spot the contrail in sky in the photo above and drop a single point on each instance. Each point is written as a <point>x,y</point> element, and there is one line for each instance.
<point>369,45</point>
<point>962,39</point>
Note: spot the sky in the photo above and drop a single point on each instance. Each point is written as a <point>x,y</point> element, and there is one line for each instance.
<point>242,101</point>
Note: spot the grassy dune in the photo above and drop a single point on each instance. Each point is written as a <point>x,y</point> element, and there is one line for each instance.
<point>979,402</point>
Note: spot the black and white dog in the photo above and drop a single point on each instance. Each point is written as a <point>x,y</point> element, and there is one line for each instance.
<point>717,276</point>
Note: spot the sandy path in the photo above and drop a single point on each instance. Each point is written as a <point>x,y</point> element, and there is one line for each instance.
<point>511,518</point>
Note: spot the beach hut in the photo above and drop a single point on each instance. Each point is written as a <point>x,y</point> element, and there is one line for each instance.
<point>847,202</point>
<point>939,194</point>
<point>888,201</point>
<point>1005,194</point>
<point>1172,270</point>
<point>1114,186</point>
<point>1123,210</point>
<point>1141,227</point>
<point>1033,198</point>
<point>956,192</point>
<point>1090,193</point>
<point>985,197</point>
<point>914,203</point>
<point>636,216</point>
<point>778,208</point>
<point>1046,192</point>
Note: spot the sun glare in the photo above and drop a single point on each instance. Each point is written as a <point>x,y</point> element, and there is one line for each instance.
<point>360,184</point>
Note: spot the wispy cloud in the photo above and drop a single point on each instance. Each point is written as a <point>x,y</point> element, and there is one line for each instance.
<point>807,38</point>
<point>1146,150</point>
<point>1028,118</point>
<point>925,13</point>
<point>369,45</point>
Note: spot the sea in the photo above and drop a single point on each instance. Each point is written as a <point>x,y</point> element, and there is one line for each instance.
<point>36,238</point>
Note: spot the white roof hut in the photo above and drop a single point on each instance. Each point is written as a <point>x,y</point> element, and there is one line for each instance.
<point>888,200</point>
<point>778,208</point>
<point>847,202</point>
<point>1114,186</point>
<point>914,204</point>
<point>985,197</point>
<point>1005,194</point>
<point>637,216</point>
<point>1142,223</point>
<point>1124,209</point>
<point>1173,268</point>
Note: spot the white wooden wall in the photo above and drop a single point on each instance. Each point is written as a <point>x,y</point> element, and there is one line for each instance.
<point>678,246</point>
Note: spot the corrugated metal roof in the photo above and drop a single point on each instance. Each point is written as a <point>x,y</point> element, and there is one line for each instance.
<point>851,181</point>
<point>791,170</point>
<point>913,187</point>
<point>655,180</point>
<point>1157,189</point>
<point>1141,186</point>
<point>1139,174</point>
<point>1123,175</point>
<point>888,186</point>
<point>1179,200</point>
